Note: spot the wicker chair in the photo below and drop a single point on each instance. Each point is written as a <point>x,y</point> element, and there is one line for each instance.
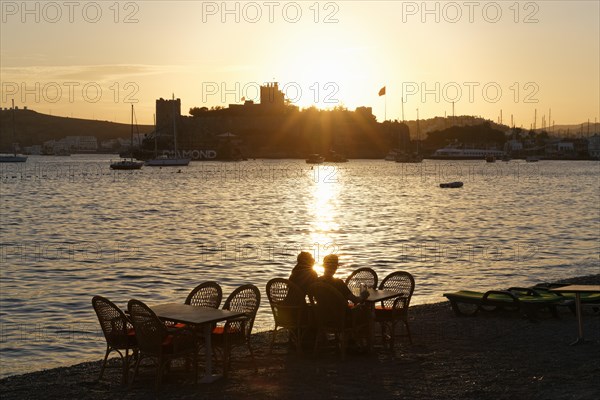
<point>290,311</point>
<point>118,332</point>
<point>154,340</point>
<point>332,315</point>
<point>207,294</point>
<point>364,275</point>
<point>237,332</point>
<point>391,311</point>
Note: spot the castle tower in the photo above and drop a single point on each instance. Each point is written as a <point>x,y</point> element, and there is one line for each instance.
<point>271,96</point>
<point>164,114</point>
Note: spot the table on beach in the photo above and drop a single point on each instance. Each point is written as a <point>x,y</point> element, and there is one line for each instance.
<point>578,289</point>
<point>376,296</point>
<point>197,316</point>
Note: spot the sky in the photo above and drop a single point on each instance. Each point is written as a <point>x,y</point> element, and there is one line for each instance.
<point>516,58</point>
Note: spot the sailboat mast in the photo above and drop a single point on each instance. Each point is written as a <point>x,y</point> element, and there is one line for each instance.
<point>402,109</point>
<point>155,138</point>
<point>418,131</point>
<point>13,127</point>
<point>131,147</point>
<point>174,128</point>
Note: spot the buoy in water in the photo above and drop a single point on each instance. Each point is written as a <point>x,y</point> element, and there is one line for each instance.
<point>451,185</point>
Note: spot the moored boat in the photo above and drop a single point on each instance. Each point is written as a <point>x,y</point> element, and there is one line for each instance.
<point>454,153</point>
<point>408,158</point>
<point>13,158</point>
<point>451,185</point>
<point>314,159</point>
<point>128,164</point>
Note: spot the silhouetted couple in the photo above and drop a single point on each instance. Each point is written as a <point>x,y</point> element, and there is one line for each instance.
<point>304,275</point>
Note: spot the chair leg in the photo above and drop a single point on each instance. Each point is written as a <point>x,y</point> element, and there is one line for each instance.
<point>104,363</point>
<point>252,355</point>
<point>408,331</point>
<point>299,336</point>
<point>137,366</point>
<point>273,340</point>
<point>317,337</point>
<point>226,360</point>
<point>125,367</point>
<point>159,373</point>
<point>392,335</point>
<point>343,339</point>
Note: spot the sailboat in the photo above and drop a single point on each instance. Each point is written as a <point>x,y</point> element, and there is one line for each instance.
<point>13,157</point>
<point>166,161</point>
<point>128,164</point>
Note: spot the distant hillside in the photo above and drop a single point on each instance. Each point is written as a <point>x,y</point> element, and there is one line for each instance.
<point>441,123</point>
<point>573,130</point>
<point>34,128</point>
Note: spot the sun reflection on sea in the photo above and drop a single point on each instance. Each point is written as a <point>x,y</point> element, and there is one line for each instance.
<point>325,215</point>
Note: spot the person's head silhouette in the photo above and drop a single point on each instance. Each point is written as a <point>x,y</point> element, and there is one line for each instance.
<point>305,259</point>
<point>330,264</point>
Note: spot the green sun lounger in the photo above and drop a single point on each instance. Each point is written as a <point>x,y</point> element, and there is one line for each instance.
<point>586,298</point>
<point>525,300</point>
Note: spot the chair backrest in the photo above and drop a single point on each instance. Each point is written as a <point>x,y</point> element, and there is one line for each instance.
<point>206,294</point>
<point>149,329</point>
<point>246,299</point>
<point>401,281</point>
<point>365,275</point>
<point>113,321</point>
<point>330,306</point>
<point>287,300</point>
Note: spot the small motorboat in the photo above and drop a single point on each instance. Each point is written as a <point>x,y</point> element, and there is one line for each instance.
<point>451,185</point>
<point>314,159</point>
<point>127,164</point>
<point>490,159</point>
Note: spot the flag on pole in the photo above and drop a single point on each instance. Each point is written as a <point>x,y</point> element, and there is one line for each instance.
<point>382,91</point>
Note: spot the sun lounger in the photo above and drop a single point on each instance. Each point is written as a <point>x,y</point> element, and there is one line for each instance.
<point>525,300</point>
<point>586,298</point>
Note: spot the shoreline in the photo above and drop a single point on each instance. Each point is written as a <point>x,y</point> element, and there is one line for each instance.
<point>492,355</point>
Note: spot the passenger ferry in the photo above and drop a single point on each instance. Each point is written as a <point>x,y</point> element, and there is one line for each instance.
<point>453,153</point>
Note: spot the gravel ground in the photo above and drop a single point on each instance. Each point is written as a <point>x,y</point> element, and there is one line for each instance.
<point>489,356</point>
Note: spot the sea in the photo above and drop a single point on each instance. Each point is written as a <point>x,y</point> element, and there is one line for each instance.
<point>71,228</point>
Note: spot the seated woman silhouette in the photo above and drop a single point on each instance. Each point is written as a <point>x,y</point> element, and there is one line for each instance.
<point>330,266</point>
<point>303,273</point>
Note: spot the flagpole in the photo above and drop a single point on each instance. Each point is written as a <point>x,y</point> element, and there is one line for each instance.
<point>385,109</point>
<point>402,109</point>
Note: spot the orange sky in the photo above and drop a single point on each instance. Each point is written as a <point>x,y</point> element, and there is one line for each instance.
<point>91,59</point>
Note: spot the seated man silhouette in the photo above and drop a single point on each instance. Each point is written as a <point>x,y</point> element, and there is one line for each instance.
<point>330,266</point>
<point>303,273</point>
<point>359,314</point>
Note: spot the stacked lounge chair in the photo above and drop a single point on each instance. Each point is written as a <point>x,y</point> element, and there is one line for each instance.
<point>527,301</point>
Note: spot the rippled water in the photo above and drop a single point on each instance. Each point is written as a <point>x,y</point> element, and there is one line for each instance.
<point>71,228</point>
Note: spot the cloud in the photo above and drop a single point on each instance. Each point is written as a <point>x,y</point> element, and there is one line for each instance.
<point>88,73</point>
